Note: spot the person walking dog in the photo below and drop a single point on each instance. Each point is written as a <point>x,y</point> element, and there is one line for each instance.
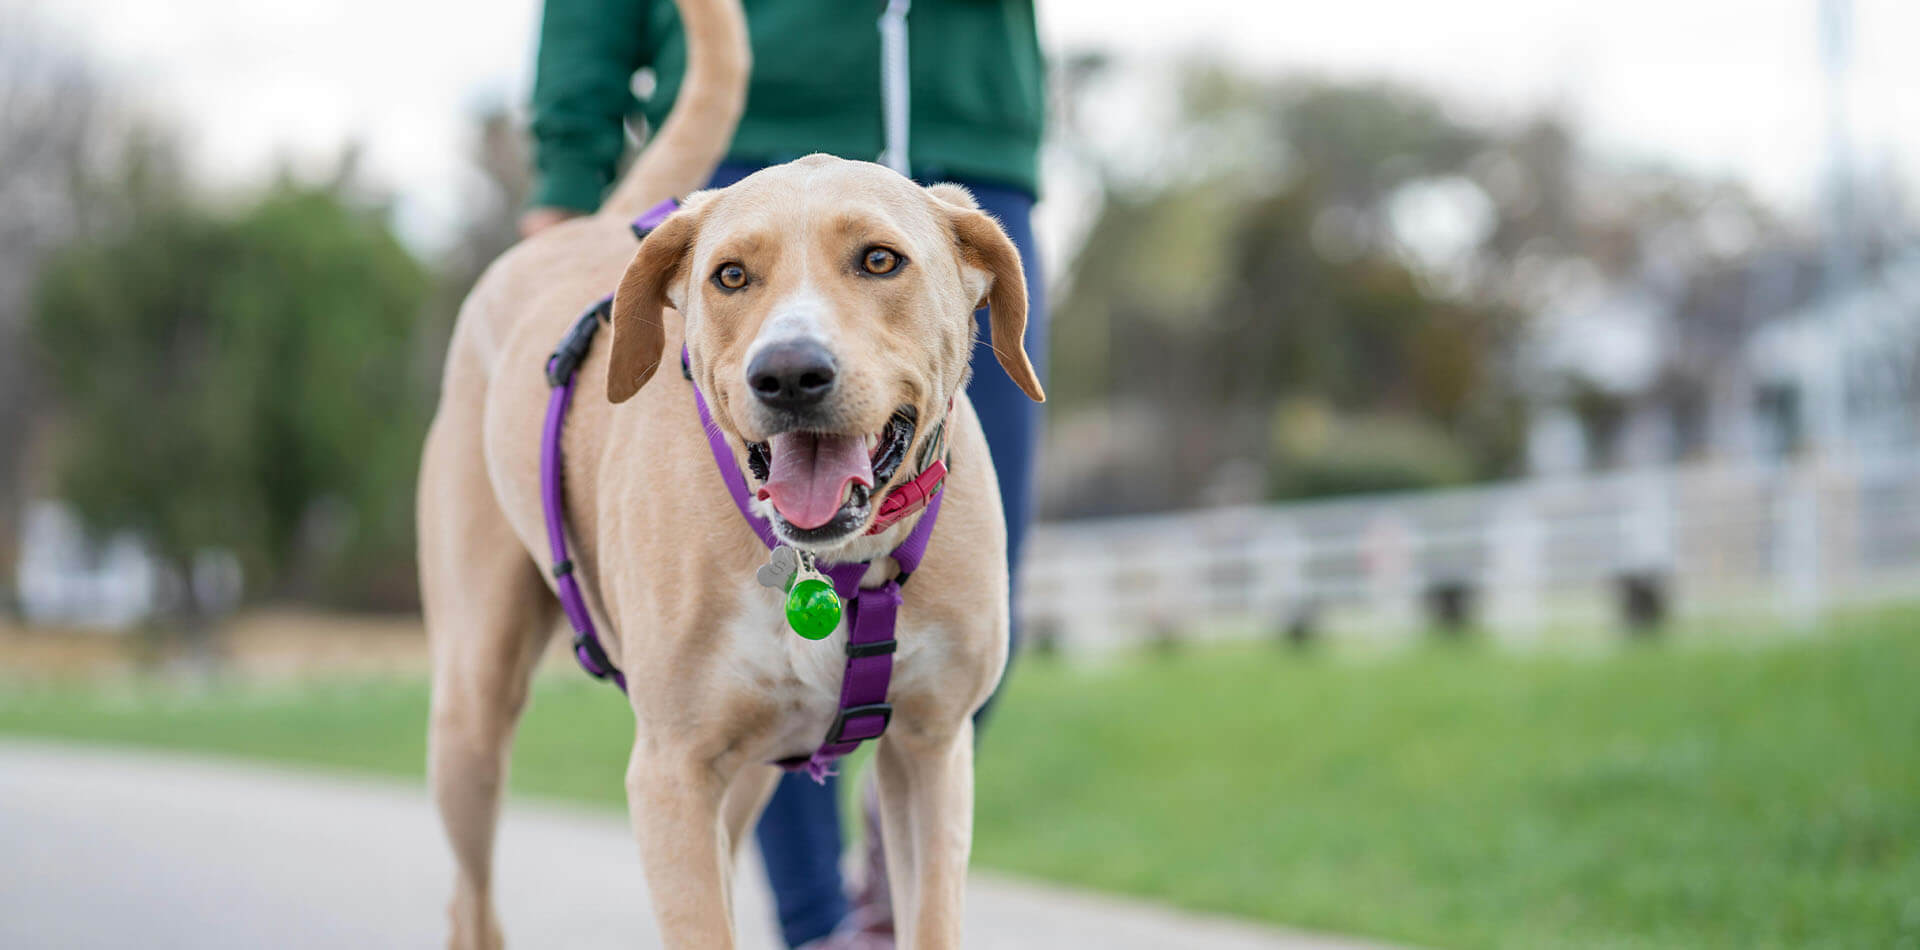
<point>940,90</point>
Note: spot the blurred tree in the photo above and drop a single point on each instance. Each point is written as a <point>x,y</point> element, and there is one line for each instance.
<point>1321,452</point>
<point>1419,277</point>
<point>1373,252</point>
<point>50,114</point>
<point>1265,264</point>
<point>502,166</point>
<point>240,382</point>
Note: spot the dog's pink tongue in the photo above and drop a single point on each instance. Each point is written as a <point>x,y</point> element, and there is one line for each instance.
<point>810,475</point>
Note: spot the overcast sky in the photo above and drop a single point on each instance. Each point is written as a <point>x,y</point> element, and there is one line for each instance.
<point>1720,86</point>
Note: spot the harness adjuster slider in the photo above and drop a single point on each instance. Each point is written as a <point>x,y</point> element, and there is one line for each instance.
<point>836,735</point>
<point>653,218</point>
<point>876,648</point>
<point>563,568</point>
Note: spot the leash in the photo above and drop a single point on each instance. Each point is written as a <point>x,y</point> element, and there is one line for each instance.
<point>870,615</point>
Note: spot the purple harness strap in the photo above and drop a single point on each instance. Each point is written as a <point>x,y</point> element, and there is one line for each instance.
<point>562,370</point>
<point>870,615</point>
<point>870,612</point>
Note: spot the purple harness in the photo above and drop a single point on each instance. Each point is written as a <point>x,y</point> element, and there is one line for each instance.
<point>870,613</point>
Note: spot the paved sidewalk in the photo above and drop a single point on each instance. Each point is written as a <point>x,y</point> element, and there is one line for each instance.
<point>116,848</point>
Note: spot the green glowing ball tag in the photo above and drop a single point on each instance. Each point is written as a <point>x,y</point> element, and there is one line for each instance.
<point>813,609</point>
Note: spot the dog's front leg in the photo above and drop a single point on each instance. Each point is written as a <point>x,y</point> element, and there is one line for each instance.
<point>674,800</point>
<point>926,817</point>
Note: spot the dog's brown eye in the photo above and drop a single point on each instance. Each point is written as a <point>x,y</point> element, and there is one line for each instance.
<point>879,261</point>
<point>730,276</point>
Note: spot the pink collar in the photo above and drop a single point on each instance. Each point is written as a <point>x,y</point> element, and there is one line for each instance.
<point>910,496</point>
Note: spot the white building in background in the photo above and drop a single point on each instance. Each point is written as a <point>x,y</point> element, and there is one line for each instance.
<point>1869,338</point>
<point>67,580</point>
<point>1605,340</point>
<point>1639,374</point>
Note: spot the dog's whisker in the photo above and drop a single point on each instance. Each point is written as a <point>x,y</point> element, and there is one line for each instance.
<point>1003,354</point>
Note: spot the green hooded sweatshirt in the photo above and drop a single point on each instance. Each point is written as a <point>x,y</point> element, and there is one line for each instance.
<point>977,87</point>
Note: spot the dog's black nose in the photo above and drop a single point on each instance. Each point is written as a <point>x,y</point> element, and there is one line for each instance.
<point>792,375</point>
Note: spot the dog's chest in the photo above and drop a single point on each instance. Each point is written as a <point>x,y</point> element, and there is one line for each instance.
<point>801,678</point>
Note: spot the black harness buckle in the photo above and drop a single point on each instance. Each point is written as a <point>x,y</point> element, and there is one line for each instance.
<point>883,710</point>
<point>573,347</point>
<point>599,665</point>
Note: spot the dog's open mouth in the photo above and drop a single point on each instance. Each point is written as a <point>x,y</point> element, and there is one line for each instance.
<point>821,483</point>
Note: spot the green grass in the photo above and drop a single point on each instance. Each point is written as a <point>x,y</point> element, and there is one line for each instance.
<point>1666,796</point>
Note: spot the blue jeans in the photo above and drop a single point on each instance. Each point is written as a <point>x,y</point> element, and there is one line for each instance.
<point>800,831</point>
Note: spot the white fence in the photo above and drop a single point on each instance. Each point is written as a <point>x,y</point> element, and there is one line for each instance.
<point>1790,539</point>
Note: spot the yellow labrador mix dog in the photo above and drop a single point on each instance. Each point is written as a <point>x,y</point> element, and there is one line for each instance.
<point>821,303</point>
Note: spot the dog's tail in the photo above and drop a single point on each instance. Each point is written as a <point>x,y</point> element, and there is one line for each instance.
<point>683,153</point>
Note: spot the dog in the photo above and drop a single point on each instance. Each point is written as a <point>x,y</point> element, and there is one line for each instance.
<point>826,267</point>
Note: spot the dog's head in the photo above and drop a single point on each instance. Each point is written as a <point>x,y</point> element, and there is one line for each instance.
<point>829,318</point>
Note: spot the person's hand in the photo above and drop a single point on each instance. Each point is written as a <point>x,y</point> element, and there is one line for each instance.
<point>537,220</point>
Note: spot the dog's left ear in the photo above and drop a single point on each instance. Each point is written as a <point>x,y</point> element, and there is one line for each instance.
<point>654,278</point>
<point>991,266</point>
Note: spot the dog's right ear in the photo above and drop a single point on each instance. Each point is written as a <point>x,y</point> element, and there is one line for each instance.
<point>991,264</point>
<point>654,280</point>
